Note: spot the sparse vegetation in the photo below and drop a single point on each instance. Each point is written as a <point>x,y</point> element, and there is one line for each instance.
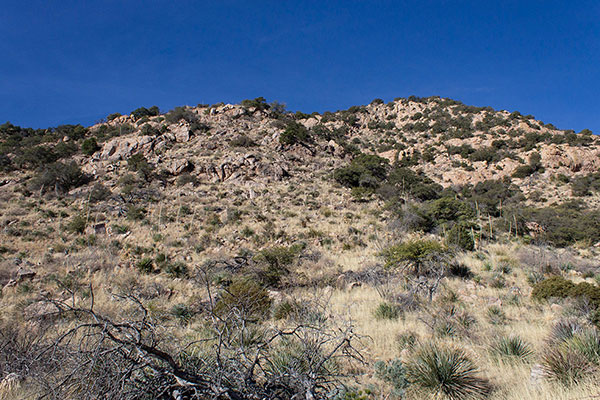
<point>201,255</point>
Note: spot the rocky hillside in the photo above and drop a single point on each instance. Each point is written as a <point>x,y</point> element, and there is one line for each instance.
<point>324,254</point>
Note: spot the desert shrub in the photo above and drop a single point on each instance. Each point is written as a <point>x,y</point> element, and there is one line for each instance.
<point>489,194</point>
<point>145,112</point>
<point>294,133</point>
<point>89,146</point>
<point>512,348</point>
<point>416,252</point>
<point>586,185</point>
<point>587,291</point>
<point>58,177</point>
<point>145,265</point>
<point>553,287</point>
<point>112,116</point>
<point>487,154</point>
<point>418,185</point>
<point>446,373</point>
<point>461,236</point>
<point>259,103</point>
<point>99,192</point>
<point>77,224</point>
<point>244,298</point>
<point>387,310</point>
<point>274,263</point>
<point>448,209</point>
<point>182,312</point>
<point>534,165</point>
<point>149,130</point>
<point>566,224</point>
<point>559,287</point>
<point>178,114</point>
<point>135,213</point>
<point>393,373</point>
<point>138,163</point>
<point>242,141</point>
<point>460,271</point>
<point>186,178</point>
<point>176,269</point>
<point>365,171</point>
<point>105,132</point>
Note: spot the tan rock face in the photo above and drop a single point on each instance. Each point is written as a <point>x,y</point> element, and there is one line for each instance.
<point>178,166</point>
<point>122,148</point>
<point>181,132</point>
<point>377,128</point>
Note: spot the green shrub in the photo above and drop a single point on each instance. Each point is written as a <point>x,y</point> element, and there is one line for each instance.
<point>58,177</point>
<point>145,112</point>
<point>555,286</point>
<point>446,373</point>
<point>405,181</point>
<point>560,287</point>
<point>566,224</point>
<point>274,263</point>
<point>534,165</point>
<point>99,192</point>
<point>489,194</point>
<point>89,146</point>
<point>588,291</point>
<point>242,141</point>
<point>146,265</point>
<point>135,213</point>
<point>182,312</point>
<point>365,171</point>
<point>179,114</point>
<point>586,185</point>
<point>77,224</point>
<point>415,252</point>
<point>139,163</point>
<point>448,209</point>
<point>294,133</point>
<point>246,299</point>
<point>393,373</point>
<point>461,236</point>
<point>176,269</point>
<point>259,103</point>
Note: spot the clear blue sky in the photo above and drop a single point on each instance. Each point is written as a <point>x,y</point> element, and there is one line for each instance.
<point>77,61</point>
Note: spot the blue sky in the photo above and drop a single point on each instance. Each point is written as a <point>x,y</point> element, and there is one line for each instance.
<point>77,61</point>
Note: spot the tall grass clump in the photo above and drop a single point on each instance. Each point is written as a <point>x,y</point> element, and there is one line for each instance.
<point>446,373</point>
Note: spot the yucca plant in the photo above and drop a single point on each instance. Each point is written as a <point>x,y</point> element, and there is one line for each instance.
<point>495,315</point>
<point>587,343</point>
<point>566,365</point>
<point>446,373</point>
<point>564,330</point>
<point>512,348</point>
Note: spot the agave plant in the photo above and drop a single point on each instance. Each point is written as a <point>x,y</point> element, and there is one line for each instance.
<point>511,348</point>
<point>446,373</point>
